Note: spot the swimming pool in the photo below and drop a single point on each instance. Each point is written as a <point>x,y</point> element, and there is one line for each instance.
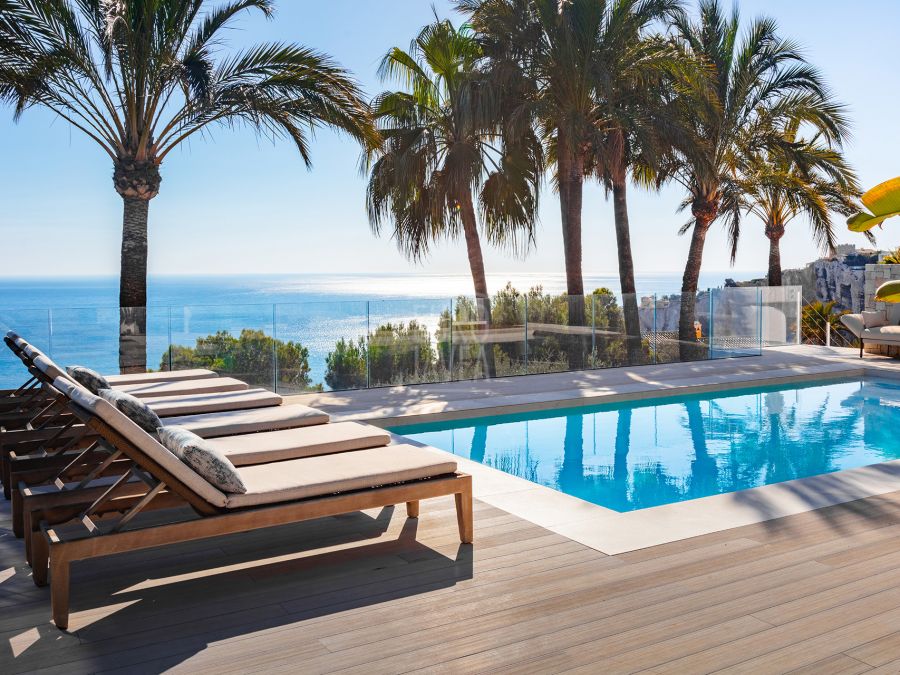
<point>647,453</point>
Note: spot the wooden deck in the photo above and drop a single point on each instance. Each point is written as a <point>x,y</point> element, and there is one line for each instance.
<point>373,592</point>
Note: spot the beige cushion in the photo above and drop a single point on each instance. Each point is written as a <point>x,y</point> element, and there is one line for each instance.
<point>343,472</point>
<point>277,446</point>
<point>172,406</point>
<point>882,334</point>
<point>183,388</point>
<point>12,335</point>
<point>31,351</point>
<point>163,376</point>
<point>231,423</point>
<point>50,369</point>
<point>145,443</point>
<point>874,319</point>
<point>854,322</point>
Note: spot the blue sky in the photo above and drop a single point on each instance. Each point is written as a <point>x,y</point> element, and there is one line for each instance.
<point>239,204</point>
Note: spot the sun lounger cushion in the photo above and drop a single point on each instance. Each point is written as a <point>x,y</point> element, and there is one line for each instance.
<point>162,376</point>
<point>346,471</point>
<point>183,388</point>
<point>277,446</point>
<point>142,440</point>
<point>12,335</point>
<point>230,423</point>
<point>137,411</point>
<point>87,378</point>
<point>31,351</point>
<point>202,458</point>
<point>173,406</point>
<point>50,369</point>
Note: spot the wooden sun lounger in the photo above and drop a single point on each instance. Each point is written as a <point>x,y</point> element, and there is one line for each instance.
<point>279,493</point>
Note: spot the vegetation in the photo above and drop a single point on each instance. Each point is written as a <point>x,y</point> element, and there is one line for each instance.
<point>801,177</point>
<point>252,357</point>
<point>816,317</point>
<point>405,353</point>
<point>140,77</point>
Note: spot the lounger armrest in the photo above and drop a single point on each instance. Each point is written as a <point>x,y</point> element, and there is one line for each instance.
<point>854,322</point>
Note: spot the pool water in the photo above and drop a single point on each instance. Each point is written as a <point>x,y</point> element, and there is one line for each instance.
<point>636,455</point>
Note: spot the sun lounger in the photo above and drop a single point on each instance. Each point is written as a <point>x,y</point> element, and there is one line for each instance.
<point>277,493</point>
<point>53,447</point>
<point>61,489</point>
<point>122,380</point>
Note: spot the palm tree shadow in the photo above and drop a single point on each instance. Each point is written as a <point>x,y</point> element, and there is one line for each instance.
<point>162,613</point>
<point>843,518</point>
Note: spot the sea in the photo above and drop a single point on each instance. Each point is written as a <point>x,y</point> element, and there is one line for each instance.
<point>75,319</point>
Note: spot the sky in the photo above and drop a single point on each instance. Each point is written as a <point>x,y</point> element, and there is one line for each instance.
<point>235,203</point>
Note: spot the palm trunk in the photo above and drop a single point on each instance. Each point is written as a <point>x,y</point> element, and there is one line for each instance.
<point>133,287</point>
<point>774,232</point>
<point>479,279</point>
<point>626,272</point>
<point>571,188</point>
<point>687,347</point>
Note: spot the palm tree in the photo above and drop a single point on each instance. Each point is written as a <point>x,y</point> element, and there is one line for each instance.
<point>558,55</point>
<point>754,85</point>
<point>805,177</point>
<point>139,77</point>
<point>444,151</point>
<point>639,128</point>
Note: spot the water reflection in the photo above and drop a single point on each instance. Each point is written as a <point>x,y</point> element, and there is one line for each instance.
<point>642,456</point>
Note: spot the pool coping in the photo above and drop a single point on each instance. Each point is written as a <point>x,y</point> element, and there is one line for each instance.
<point>612,532</point>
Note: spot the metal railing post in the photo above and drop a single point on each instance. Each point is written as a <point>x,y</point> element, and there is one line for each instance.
<point>525,309</point>
<point>368,346</point>
<point>275,347</point>
<point>827,333</point>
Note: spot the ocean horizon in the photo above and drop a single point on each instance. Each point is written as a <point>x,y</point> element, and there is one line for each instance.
<point>75,319</point>
<point>39,293</point>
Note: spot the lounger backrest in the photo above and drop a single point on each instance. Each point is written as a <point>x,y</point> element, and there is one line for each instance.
<point>33,352</point>
<point>50,369</point>
<point>12,335</point>
<point>142,441</point>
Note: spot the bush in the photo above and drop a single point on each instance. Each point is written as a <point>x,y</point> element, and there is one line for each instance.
<point>251,357</point>
<point>396,353</point>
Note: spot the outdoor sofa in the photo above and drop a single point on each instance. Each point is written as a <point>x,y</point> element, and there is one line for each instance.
<point>874,327</point>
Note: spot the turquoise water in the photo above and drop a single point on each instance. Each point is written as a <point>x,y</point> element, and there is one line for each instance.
<point>642,454</point>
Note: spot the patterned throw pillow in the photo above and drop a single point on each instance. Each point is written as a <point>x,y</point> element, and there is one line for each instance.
<point>89,379</point>
<point>134,409</point>
<point>215,467</point>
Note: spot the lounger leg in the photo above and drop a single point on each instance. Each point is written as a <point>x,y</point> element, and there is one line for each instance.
<point>27,528</point>
<point>17,521</point>
<point>40,558</point>
<point>860,348</point>
<point>59,591</point>
<point>464,514</point>
<point>412,509</point>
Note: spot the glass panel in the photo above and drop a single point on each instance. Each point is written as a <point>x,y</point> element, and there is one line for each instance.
<point>409,342</point>
<point>736,322</point>
<point>560,334</point>
<point>32,325</point>
<point>232,340</point>
<point>321,345</point>
<point>488,337</point>
<point>780,322</point>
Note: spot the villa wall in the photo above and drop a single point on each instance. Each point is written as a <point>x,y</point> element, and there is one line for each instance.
<point>876,275</point>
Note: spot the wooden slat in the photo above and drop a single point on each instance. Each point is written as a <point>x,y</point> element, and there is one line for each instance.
<point>373,592</point>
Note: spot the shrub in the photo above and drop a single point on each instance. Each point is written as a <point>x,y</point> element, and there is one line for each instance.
<point>251,356</point>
